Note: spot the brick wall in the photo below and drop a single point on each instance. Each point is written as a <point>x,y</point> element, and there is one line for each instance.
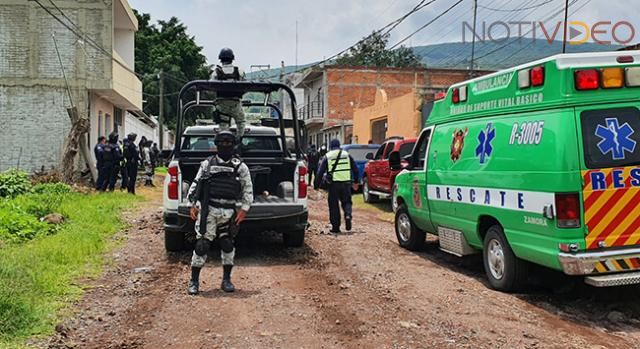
<point>33,97</point>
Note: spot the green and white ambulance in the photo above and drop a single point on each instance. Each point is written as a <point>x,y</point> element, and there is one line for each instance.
<point>539,163</point>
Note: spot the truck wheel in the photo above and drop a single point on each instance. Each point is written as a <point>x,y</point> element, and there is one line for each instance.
<point>409,236</point>
<point>366,195</point>
<point>294,238</point>
<point>505,271</point>
<point>173,241</point>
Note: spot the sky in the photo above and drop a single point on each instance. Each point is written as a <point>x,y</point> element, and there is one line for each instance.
<point>264,32</point>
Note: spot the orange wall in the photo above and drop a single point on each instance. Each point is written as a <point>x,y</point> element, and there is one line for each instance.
<point>402,113</point>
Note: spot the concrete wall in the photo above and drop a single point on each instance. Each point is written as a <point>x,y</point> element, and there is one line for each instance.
<point>123,44</point>
<point>33,97</point>
<point>133,124</point>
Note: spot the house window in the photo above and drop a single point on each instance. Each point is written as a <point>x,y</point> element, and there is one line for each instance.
<point>100,125</point>
<point>117,115</point>
<point>108,123</point>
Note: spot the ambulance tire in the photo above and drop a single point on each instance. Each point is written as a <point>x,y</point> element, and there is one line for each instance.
<point>508,273</point>
<point>366,194</point>
<point>408,235</point>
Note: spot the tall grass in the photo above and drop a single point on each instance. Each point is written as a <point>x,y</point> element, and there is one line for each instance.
<point>37,277</point>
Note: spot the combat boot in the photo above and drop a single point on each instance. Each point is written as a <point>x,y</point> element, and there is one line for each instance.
<point>347,223</point>
<point>194,283</point>
<point>227,285</point>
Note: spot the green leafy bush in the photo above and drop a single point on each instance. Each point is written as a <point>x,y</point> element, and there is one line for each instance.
<point>17,227</point>
<point>14,183</point>
<point>52,188</point>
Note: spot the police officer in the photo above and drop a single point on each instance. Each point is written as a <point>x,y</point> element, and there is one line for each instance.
<point>123,166</point>
<point>220,197</point>
<point>132,156</point>
<point>343,172</point>
<point>228,105</point>
<point>110,158</point>
<point>97,151</point>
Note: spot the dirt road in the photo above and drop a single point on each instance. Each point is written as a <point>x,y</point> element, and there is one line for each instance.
<point>357,290</point>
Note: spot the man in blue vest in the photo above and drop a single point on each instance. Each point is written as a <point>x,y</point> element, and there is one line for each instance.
<point>340,167</point>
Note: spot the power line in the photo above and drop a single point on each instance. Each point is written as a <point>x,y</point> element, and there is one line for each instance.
<point>389,26</point>
<point>426,25</point>
<point>517,9</point>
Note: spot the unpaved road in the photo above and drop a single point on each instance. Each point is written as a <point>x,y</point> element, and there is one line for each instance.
<point>349,291</point>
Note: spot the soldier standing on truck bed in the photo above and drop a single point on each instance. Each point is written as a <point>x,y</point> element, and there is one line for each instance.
<point>220,197</point>
<point>229,104</point>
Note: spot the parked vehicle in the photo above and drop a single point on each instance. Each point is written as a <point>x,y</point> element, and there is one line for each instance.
<point>359,153</point>
<point>533,164</point>
<point>278,173</point>
<point>377,179</point>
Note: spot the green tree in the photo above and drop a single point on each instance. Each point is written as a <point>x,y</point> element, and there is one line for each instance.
<point>167,47</point>
<point>372,51</point>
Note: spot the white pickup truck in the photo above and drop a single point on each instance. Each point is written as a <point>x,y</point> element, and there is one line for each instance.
<point>278,173</point>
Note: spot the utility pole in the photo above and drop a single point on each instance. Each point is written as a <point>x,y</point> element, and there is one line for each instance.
<point>296,44</point>
<point>566,15</point>
<point>473,42</point>
<point>161,110</point>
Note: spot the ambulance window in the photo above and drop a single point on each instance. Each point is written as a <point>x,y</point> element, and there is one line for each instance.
<point>611,137</point>
<point>420,150</point>
<point>388,150</point>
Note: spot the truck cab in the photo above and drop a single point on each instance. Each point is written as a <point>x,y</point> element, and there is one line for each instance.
<point>377,178</point>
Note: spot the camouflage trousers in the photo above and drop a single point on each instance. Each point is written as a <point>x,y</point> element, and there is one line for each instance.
<point>217,217</point>
<point>148,171</point>
<point>231,109</point>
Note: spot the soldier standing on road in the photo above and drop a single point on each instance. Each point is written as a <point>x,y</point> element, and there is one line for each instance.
<point>220,197</point>
<point>110,158</point>
<point>123,166</point>
<point>228,104</point>
<point>132,156</point>
<point>148,164</point>
<point>343,170</point>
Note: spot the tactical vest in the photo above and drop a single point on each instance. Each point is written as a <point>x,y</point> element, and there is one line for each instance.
<point>343,168</point>
<point>223,181</point>
<point>109,152</point>
<point>228,72</point>
<point>130,151</point>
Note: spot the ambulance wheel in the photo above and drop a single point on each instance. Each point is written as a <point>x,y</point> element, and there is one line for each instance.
<point>366,193</point>
<point>409,236</point>
<point>173,241</point>
<point>505,271</point>
<point>294,238</point>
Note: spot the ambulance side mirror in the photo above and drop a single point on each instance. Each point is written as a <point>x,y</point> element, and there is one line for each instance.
<point>395,163</point>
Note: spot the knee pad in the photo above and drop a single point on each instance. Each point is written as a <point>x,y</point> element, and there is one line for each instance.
<point>226,244</point>
<point>202,247</point>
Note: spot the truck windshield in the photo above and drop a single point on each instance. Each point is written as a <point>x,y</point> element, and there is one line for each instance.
<point>249,144</point>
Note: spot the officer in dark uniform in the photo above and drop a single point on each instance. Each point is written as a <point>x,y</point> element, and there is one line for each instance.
<point>97,151</point>
<point>220,197</point>
<point>132,156</point>
<point>228,104</point>
<point>123,166</point>
<point>110,158</point>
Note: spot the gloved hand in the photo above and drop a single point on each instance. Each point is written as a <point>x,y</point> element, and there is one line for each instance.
<point>240,216</point>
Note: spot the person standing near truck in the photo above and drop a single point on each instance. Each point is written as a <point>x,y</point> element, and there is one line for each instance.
<point>228,104</point>
<point>343,171</point>
<point>132,156</point>
<point>313,157</point>
<point>220,197</point>
<point>97,151</point>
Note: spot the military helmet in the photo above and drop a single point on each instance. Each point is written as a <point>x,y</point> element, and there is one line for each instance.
<point>132,137</point>
<point>223,136</point>
<point>226,55</point>
<point>113,137</point>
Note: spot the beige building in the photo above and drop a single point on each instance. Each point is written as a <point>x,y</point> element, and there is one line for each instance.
<point>98,60</point>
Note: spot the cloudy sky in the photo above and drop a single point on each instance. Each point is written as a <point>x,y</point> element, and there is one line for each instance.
<point>264,32</point>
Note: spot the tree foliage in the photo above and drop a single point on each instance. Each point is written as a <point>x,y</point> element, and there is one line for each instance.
<point>167,47</point>
<point>372,51</point>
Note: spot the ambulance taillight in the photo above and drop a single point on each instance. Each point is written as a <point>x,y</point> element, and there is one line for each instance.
<point>632,76</point>
<point>588,79</point>
<point>568,210</point>
<point>612,78</point>
<point>459,94</point>
<point>531,77</point>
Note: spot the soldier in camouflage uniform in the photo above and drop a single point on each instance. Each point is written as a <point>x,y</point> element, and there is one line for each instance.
<point>228,104</point>
<point>220,196</point>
